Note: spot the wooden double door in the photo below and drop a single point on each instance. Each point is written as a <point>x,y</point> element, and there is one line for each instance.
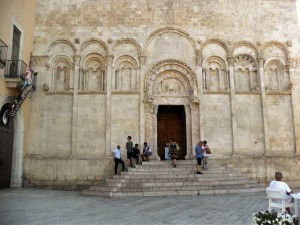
<point>171,124</point>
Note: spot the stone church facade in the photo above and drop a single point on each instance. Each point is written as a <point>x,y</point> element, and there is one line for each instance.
<point>224,71</point>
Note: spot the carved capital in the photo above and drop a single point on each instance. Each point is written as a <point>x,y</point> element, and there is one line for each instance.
<point>142,59</point>
<point>77,60</point>
<point>109,59</point>
<point>230,61</point>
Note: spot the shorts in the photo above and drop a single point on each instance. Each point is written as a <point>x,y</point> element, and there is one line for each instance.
<point>129,155</point>
<point>199,161</point>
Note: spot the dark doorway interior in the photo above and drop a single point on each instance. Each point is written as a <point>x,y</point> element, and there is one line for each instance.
<point>171,124</point>
<point>6,150</point>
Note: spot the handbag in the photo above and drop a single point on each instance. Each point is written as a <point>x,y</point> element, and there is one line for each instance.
<point>208,151</point>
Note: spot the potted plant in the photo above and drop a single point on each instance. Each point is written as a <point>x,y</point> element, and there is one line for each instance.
<point>274,218</point>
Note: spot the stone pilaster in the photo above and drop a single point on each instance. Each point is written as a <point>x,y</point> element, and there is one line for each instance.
<point>142,93</point>
<point>233,107</point>
<point>75,105</point>
<point>264,105</point>
<point>154,142</point>
<point>109,72</point>
<point>294,71</point>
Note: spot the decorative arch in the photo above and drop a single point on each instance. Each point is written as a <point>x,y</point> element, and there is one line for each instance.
<point>214,41</point>
<point>94,41</point>
<point>171,30</point>
<point>61,67</point>
<point>126,74</point>
<point>277,77</point>
<point>129,41</point>
<point>280,46</point>
<point>242,44</point>
<point>92,75</point>
<point>245,73</point>
<point>214,74</point>
<point>181,72</point>
<point>62,41</point>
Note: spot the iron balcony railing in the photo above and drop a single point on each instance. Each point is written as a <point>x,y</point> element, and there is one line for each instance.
<point>17,69</point>
<point>3,54</point>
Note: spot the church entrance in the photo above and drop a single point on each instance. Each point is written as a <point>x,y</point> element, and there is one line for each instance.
<point>171,124</point>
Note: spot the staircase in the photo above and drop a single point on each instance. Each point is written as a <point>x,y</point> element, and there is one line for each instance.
<point>159,178</point>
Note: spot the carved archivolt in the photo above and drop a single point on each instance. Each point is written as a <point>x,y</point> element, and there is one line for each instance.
<point>126,75</point>
<point>61,70</point>
<point>171,77</point>
<point>245,73</point>
<point>277,78</point>
<point>163,30</point>
<point>62,46</point>
<point>275,49</point>
<point>93,75</point>
<point>128,42</point>
<point>94,45</point>
<point>214,74</point>
<point>206,46</point>
<point>244,47</point>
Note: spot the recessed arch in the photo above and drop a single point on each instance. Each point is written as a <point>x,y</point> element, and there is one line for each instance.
<point>61,41</point>
<point>171,65</point>
<point>128,41</point>
<point>94,41</point>
<point>241,44</point>
<point>163,30</point>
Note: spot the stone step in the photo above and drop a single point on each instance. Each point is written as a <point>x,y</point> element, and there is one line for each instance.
<point>156,187</point>
<point>176,179</point>
<point>174,192</point>
<point>176,183</point>
<point>192,176</point>
<point>159,178</point>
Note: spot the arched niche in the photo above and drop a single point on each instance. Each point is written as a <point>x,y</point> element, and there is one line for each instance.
<point>170,42</point>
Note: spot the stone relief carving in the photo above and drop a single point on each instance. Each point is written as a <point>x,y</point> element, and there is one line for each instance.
<point>170,78</point>
<point>170,87</point>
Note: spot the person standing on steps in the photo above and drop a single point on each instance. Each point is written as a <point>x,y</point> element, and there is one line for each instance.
<point>129,147</point>
<point>173,148</point>
<point>199,156</point>
<point>118,159</point>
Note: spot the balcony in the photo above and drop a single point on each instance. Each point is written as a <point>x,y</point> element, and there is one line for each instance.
<point>3,54</point>
<point>15,72</point>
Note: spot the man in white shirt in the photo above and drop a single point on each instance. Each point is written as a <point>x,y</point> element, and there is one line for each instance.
<point>277,183</point>
<point>117,156</point>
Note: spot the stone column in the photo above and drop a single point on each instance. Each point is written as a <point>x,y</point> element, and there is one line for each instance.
<point>264,106</point>
<point>294,69</point>
<point>109,72</point>
<point>233,107</point>
<point>142,107</point>
<point>154,121</point>
<point>75,105</point>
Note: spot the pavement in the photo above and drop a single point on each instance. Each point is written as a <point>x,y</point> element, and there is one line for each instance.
<point>39,206</point>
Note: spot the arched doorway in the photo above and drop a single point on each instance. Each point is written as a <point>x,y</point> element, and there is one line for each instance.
<point>6,148</point>
<point>171,124</point>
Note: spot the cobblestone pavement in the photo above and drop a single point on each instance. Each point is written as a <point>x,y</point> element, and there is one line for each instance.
<point>36,206</point>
